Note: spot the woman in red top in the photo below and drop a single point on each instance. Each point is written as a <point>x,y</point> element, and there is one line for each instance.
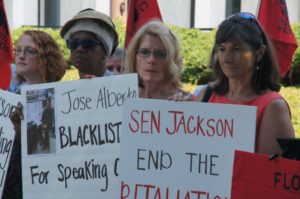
<point>246,73</point>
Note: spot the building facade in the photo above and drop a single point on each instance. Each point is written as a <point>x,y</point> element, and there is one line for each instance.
<point>202,14</point>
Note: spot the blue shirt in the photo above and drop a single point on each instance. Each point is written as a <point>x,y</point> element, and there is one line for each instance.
<point>15,85</point>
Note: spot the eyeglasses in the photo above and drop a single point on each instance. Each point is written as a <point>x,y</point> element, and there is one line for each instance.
<point>86,44</point>
<point>158,54</point>
<point>27,52</point>
<point>247,16</point>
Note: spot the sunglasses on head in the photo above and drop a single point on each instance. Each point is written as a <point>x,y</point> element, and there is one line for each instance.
<point>246,16</point>
<point>86,44</point>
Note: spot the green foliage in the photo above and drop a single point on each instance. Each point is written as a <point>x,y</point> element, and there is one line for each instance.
<point>196,47</point>
<point>291,94</point>
<point>296,60</point>
<point>121,29</point>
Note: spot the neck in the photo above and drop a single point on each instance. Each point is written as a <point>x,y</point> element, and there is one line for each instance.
<point>240,91</point>
<point>99,73</point>
<point>157,91</point>
<point>34,80</point>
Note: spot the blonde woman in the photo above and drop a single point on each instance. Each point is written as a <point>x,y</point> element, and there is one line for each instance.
<point>154,53</point>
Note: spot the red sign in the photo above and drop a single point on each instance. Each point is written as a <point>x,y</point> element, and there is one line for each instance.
<point>255,176</point>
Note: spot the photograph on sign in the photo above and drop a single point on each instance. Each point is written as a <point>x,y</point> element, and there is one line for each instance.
<point>40,121</point>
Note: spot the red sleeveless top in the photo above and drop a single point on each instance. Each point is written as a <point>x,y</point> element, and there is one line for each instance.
<point>261,103</point>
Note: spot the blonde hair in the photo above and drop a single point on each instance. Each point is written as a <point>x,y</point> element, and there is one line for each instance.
<point>170,42</point>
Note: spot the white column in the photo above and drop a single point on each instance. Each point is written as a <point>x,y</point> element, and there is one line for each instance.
<point>103,6</point>
<point>176,12</point>
<point>250,6</point>
<point>293,7</point>
<point>15,13</point>
<point>69,8</point>
<point>209,13</point>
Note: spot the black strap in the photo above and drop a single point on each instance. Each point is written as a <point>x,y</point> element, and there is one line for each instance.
<point>207,93</point>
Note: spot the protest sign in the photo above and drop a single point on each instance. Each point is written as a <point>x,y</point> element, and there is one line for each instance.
<point>181,149</point>
<point>257,176</point>
<point>70,148</point>
<point>8,102</point>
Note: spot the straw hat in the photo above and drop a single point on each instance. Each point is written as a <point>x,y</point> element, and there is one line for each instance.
<point>96,22</point>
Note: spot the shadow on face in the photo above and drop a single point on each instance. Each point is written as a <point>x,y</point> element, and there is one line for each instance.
<point>87,53</point>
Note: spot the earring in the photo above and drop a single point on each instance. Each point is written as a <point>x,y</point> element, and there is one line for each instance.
<point>257,67</point>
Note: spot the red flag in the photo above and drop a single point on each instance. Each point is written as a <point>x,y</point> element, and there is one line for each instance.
<point>273,16</point>
<point>140,12</point>
<point>6,53</point>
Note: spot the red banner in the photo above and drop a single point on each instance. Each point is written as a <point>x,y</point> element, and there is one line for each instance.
<point>255,176</point>
<point>140,12</point>
<point>273,16</point>
<point>6,53</point>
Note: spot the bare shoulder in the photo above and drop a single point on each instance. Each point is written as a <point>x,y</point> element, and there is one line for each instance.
<point>278,117</point>
<point>276,123</point>
<point>278,106</point>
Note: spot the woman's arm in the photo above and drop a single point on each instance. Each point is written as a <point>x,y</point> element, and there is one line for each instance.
<point>276,123</point>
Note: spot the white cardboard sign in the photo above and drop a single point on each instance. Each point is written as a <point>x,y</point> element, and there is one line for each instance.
<point>8,102</point>
<point>78,156</point>
<point>182,149</point>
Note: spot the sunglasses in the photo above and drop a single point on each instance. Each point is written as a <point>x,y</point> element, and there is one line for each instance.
<point>158,54</point>
<point>247,16</point>
<point>86,44</point>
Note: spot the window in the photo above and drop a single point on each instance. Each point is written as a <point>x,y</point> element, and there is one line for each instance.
<point>232,6</point>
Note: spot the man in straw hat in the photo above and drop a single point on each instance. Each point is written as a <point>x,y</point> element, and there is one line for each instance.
<point>91,36</point>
